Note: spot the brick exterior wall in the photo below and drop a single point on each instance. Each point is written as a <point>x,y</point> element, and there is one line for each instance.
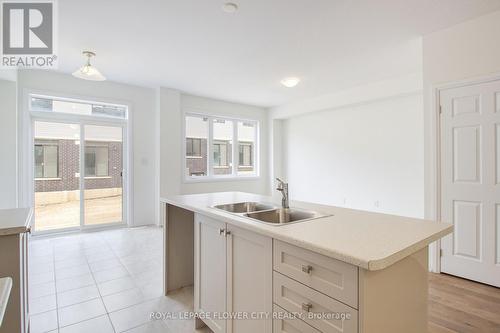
<point>69,153</point>
<point>198,165</point>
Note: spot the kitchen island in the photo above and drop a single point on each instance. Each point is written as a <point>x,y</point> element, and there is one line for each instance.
<point>350,271</point>
<point>15,227</point>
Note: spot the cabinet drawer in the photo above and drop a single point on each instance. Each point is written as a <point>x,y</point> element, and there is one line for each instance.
<point>327,275</point>
<point>316,309</point>
<point>283,323</point>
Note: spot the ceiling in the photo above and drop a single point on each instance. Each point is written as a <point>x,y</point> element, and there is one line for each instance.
<point>195,47</point>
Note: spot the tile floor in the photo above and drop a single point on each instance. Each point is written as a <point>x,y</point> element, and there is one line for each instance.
<point>107,281</point>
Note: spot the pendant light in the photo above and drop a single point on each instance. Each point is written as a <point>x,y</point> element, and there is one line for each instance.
<point>87,71</point>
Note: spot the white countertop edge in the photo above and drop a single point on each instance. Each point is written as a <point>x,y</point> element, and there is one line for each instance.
<point>372,265</point>
<point>5,288</point>
<point>23,226</point>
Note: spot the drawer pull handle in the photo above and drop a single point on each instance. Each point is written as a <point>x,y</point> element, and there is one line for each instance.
<point>221,231</point>
<point>307,269</point>
<point>306,306</point>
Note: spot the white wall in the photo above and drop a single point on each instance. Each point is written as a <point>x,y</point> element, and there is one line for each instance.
<point>463,52</point>
<point>459,53</point>
<point>143,113</point>
<point>173,105</point>
<point>8,144</point>
<point>359,155</point>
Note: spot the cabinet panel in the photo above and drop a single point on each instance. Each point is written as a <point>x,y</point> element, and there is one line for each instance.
<point>283,323</point>
<point>327,275</point>
<point>210,270</point>
<point>249,276</point>
<point>312,305</point>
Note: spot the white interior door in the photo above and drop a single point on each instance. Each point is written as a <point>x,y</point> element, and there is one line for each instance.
<point>470,181</point>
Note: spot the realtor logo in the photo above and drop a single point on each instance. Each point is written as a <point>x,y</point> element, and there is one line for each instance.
<point>28,34</point>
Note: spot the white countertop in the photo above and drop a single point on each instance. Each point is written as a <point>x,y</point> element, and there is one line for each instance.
<point>15,221</point>
<point>372,241</point>
<point>5,287</point>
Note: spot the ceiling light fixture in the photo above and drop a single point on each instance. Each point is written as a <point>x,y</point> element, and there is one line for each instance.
<point>87,71</point>
<point>230,7</point>
<point>290,82</point>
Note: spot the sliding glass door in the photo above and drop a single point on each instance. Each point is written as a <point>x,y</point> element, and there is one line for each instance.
<point>103,156</point>
<point>56,172</point>
<point>63,154</point>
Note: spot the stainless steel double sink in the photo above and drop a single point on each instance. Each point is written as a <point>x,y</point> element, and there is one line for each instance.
<point>270,214</point>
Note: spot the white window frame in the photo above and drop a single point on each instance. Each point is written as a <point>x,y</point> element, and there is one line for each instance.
<point>211,177</point>
<point>27,119</point>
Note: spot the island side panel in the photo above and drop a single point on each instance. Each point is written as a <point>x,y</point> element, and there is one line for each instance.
<point>394,300</point>
<point>179,248</point>
<point>10,266</point>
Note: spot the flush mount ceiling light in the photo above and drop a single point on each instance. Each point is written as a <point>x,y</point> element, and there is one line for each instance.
<point>87,71</point>
<point>229,7</point>
<point>290,82</point>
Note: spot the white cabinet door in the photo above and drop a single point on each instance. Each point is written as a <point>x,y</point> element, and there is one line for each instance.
<point>470,181</point>
<point>250,280</point>
<point>210,270</point>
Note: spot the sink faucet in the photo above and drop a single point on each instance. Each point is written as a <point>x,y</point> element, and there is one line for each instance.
<point>283,188</point>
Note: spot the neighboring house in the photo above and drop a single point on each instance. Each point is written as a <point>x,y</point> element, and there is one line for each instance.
<point>196,156</point>
<point>57,165</point>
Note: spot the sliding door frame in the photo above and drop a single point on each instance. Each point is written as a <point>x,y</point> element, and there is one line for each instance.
<point>26,179</point>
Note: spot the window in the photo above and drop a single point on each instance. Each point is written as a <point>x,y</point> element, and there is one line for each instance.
<point>193,147</point>
<point>46,160</point>
<point>222,145</point>
<point>215,156</point>
<point>246,143</point>
<point>245,154</point>
<point>52,104</point>
<point>96,160</point>
<point>221,154</point>
<point>196,146</point>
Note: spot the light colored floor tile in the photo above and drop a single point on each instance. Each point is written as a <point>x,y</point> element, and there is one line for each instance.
<point>43,322</point>
<point>41,278</point>
<point>41,260</point>
<point>69,272</point>
<point>76,296</point>
<point>152,290</point>
<point>115,286</point>
<point>74,283</point>
<point>43,289</point>
<point>73,264</point>
<point>135,315</point>
<point>70,263</point>
<point>183,326</point>
<point>100,256</point>
<point>38,268</point>
<point>110,274</point>
<point>123,299</point>
<point>42,304</point>
<point>151,327</point>
<point>102,265</point>
<point>79,312</point>
<point>97,325</point>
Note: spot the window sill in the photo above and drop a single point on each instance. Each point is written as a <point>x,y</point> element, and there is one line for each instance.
<point>216,179</point>
<point>194,157</point>
<point>48,178</point>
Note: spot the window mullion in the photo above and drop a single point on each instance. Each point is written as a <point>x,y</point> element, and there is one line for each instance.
<point>236,156</point>
<point>210,147</point>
